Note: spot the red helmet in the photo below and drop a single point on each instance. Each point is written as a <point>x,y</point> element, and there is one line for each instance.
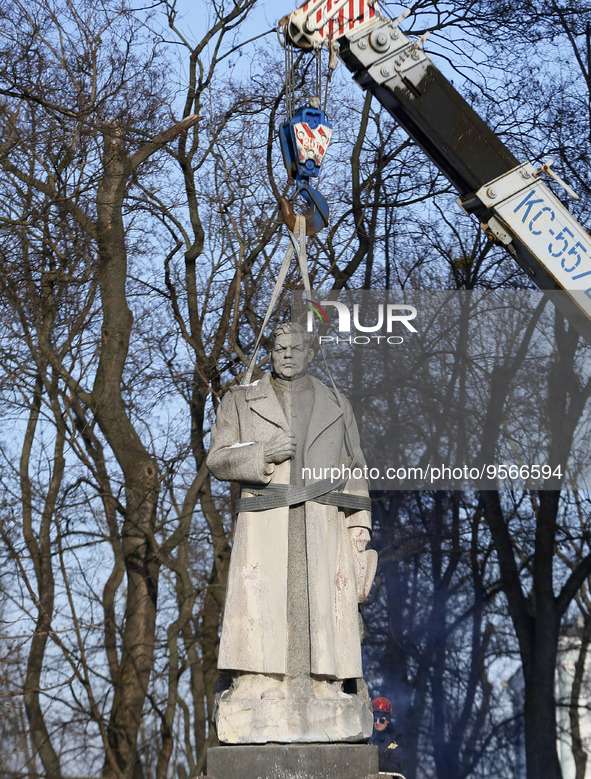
<point>382,704</point>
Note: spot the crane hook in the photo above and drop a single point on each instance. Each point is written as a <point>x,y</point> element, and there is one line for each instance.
<point>304,139</point>
<point>317,214</point>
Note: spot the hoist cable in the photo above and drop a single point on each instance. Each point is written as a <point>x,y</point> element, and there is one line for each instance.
<point>289,79</point>
<point>328,80</point>
<point>318,53</point>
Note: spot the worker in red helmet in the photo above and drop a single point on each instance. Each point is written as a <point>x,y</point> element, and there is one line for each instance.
<point>384,736</point>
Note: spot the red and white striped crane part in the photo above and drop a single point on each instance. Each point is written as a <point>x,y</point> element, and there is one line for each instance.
<point>311,144</point>
<point>353,14</point>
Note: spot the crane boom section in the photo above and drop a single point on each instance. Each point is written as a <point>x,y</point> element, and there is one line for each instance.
<point>515,208</point>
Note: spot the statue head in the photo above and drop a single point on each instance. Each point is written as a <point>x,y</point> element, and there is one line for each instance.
<point>291,351</point>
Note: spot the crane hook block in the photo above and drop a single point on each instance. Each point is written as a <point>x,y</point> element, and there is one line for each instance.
<point>304,140</point>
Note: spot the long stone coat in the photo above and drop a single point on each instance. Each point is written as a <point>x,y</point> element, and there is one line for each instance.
<point>254,625</point>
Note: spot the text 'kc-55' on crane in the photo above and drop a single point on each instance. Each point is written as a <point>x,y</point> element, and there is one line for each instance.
<point>515,208</point>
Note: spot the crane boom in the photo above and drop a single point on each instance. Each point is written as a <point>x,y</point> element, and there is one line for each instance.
<point>514,206</point>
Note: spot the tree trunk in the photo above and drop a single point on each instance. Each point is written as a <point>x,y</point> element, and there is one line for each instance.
<point>537,624</point>
<point>139,470</point>
<point>41,555</point>
<point>540,719</point>
<point>579,752</point>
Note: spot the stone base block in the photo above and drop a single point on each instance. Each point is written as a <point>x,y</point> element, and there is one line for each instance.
<point>256,721</point>
<point>295,761</point>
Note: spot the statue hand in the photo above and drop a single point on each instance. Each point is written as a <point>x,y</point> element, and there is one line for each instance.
<point>280,448</point>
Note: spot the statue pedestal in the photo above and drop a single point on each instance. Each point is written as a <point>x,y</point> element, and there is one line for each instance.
<point>291,721</point>
<point>294,761</point>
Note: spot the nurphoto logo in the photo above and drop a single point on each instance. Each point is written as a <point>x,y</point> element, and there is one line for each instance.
<point>388,318</point>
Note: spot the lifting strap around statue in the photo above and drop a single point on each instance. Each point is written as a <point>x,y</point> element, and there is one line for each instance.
<point>327,492</point>
<point>299,246</point>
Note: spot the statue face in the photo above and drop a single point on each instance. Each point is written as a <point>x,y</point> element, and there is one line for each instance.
<point>291,356</point>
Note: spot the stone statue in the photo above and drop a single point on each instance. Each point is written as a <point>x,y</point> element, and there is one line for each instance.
<point>299,568</point>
